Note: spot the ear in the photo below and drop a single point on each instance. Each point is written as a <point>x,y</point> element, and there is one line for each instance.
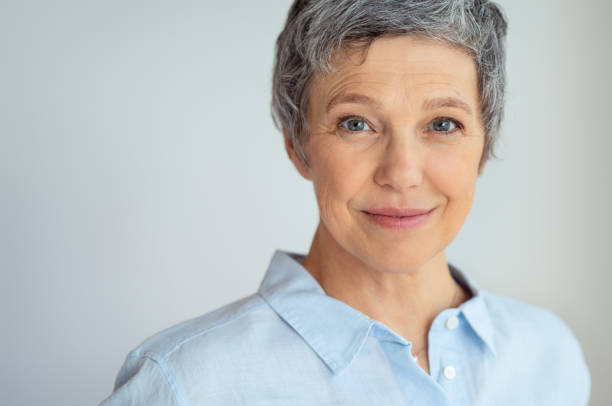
<point>483,162</point>
<point>293,156</point>
<point>481,168</point>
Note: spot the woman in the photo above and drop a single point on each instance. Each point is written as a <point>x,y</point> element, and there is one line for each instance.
<point>391,109</point>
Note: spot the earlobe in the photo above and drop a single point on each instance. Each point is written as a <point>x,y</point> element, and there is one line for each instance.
<point>481,168</point>
<point>293,156</point>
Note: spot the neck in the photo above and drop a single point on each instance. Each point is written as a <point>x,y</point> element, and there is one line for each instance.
<point>406,301</point>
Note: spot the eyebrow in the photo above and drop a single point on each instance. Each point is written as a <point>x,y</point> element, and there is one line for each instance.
<point>352,98</point>
<point>431,104</point>
<point>442,102</point>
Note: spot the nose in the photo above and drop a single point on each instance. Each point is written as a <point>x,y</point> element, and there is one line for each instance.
<point>400,166</point>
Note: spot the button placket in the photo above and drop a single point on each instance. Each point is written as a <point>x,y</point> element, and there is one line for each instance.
<point>449,371</point>
<point>441,335</point>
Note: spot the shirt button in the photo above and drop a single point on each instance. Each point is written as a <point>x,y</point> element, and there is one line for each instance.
<point>452,322</point>
<point>449,372</point>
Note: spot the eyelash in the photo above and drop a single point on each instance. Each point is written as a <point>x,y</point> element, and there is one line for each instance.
<point>457,124</point>
<point>344,119</point>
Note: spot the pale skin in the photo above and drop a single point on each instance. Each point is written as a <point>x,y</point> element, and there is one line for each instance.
<point>414,141</point>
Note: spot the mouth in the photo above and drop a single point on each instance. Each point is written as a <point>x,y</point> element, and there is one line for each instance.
<point>398,213</point>
<point>398,219</point>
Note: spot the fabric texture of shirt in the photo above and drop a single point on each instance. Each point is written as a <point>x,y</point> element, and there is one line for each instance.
<point>291,344</point>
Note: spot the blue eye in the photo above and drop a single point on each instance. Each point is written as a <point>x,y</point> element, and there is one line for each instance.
<point>354,124</point>
<point>444,125</point>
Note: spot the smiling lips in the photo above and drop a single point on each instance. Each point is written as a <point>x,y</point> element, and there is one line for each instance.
<point>398,219</point>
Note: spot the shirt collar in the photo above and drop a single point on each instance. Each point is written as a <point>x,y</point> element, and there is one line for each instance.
<point>475,309</point>
<point>334,330</point>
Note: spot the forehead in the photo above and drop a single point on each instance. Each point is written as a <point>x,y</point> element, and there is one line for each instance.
<point>405,62</point>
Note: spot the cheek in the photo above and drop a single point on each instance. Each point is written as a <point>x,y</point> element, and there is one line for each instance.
<point>454,181</point>
<point>454,176</point>
<point>338,177</point>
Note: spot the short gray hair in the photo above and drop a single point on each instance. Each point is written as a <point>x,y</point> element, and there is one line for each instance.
<point>316,28</point>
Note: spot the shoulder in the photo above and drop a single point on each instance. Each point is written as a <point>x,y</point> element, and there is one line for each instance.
<point>542,340</point>
<point>510,316</point>
<point>521,323</point>
<point>242,333</point>
<point>224,320</point>
<point>160,369</point>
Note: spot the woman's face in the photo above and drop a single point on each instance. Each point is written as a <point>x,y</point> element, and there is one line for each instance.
<point>402,130</point>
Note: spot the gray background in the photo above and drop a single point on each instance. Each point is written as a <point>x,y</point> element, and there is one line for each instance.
<point>143,182</point>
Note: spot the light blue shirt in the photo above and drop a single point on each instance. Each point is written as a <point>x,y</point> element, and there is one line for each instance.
<point>291,344</point>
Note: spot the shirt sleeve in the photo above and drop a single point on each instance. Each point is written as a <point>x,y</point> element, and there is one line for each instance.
<point>582,377</point>
<point>575,383</point>
<point>144,381</point>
